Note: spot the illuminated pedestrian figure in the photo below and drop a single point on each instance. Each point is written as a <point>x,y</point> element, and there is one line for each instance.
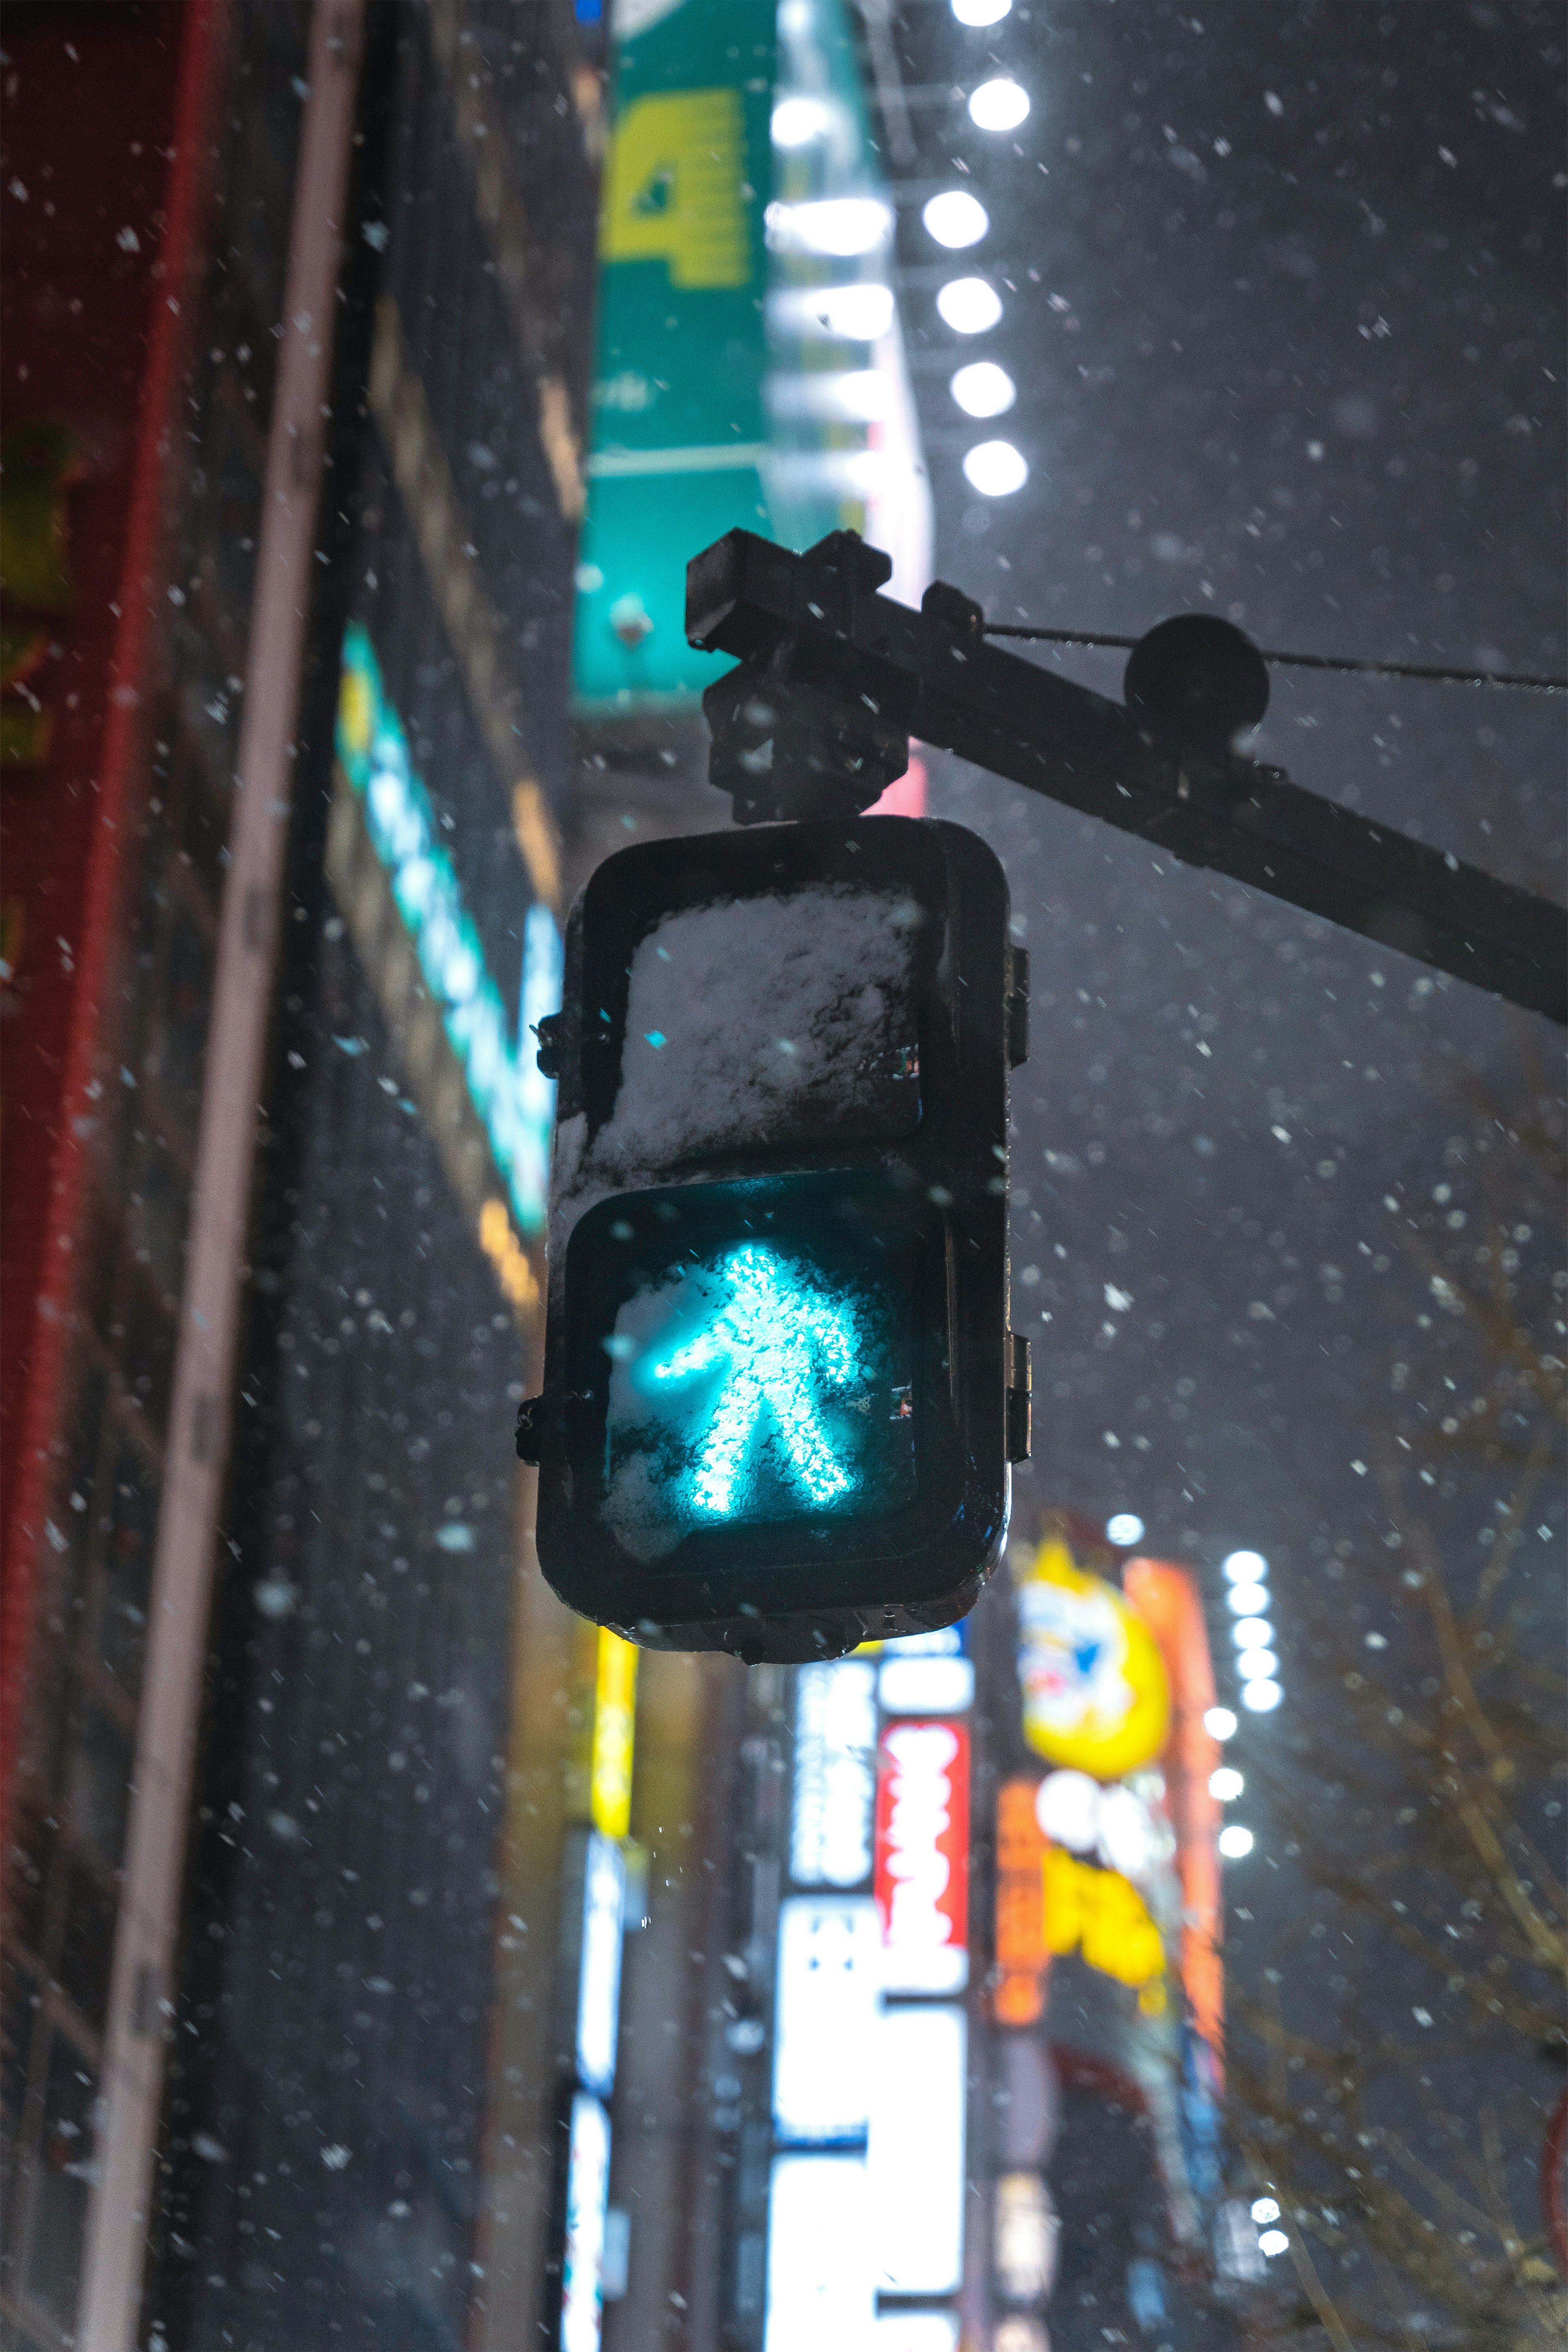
<point>781,1341</point>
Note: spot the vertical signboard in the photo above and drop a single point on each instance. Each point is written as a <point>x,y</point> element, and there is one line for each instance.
<point>923,1855</point>
<point>750,369</point>
<point>835,1757</point>
<point>614,1726</point>
<point>587,2195</point>
<point>914,2156</point>
<point>820,2287</point>
<point>1022,1955</point>
<point>829,1972</point>
<point>677,425</point>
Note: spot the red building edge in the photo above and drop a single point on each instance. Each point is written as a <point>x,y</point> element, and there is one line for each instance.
<point>65,832</point>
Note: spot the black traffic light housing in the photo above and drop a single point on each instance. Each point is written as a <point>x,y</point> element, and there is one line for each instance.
<point>780,1398</point>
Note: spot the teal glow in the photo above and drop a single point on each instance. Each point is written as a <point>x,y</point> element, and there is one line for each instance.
<point>779,1342</point>
<point>515,1104</point>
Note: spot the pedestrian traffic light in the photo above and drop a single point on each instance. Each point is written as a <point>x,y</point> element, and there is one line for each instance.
<point>780,1398</point>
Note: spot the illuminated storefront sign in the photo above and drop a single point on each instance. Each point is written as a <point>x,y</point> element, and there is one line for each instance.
<point>922,1856</point>
<point>1102,1913</point>
<point>821,2292</point>
<point>915,2152</point>
<point>1027,2237</point>
<point>514,1103</point>
<point>587,2195</point>
<point>1022,1953</point>
<point>599,1973</point>
<point>919,2331</point>
<point>926,1673</point>
<point>615,1723</point>
<point>1095,1690</point>
<point>834,1783</point>
<point>829,1975</point>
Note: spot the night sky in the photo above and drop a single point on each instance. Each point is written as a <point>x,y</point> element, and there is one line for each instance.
<point>1283,305</point>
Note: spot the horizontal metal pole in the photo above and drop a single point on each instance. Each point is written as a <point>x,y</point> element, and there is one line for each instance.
<point>999,711</point>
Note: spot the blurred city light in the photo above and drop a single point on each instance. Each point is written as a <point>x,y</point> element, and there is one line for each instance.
<point>1248,1600</point>
<point>1244,1567</point>
<point>1225,1782</point>
<point>995,470</point>
<point>969,305</point>
<point>1125,1529</point>
<point>1234,1842</point>
<point>1264,2209</point>
<point>983,389</point>
<point>837,226</point>
<point>1219,1723</point>
<point>1252,1633</point>
<point>999,105</point>
<point>861,394</point>
<point>1273,2242</point>
<point>981,12</point>
<point>1257,1666</point>
<point>1262,1696</point>
<point>955,218</point>
<point>1067,1807</point>
<point>853,314</point>
<point>798,121</point>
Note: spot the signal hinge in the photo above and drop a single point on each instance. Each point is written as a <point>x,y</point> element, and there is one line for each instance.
<point>1018,1008</point>
<point>1018,1398</point>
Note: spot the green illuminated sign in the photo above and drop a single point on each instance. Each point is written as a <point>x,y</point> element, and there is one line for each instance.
<point>514,1102</point>
<point>748,369</point>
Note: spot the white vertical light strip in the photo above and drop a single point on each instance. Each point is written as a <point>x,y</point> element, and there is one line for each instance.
<point>829,1977</point>
<point>119,2212</point>
<point>915,2155</point>
<point>820,2291</point>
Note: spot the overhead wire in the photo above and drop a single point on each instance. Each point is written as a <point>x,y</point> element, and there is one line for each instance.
<point>1306,661</point>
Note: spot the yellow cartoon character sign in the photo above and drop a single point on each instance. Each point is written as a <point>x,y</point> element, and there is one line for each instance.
<point>1096,1696</point>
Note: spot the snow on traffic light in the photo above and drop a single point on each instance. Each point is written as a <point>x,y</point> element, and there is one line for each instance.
<point>780,1396</point>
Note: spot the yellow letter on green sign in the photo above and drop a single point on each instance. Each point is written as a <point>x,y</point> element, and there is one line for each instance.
<point>672,192</point>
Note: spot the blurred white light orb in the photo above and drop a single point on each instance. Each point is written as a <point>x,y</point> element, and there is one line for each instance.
<point>981,12</point>
<point>1257,1667</point>
<point>999,105</point>
<point>1234,1842</point>
<point>1219,1723</point>
<point>1124,1530</point>
<point>1248,1600</point>
<point>1272,2242</point>
<point>983,389</point>
<point>956,218</point>
<point>798,121</point>
<point>1264,2209</point>
<point>1252,1633</point>
<point>1066,1806</point>
<point>1225,1782</point>
<point>1262,1696</point>
<point>968,305</point>
<point>840,226</point>
<point>1127,1833</point>
<point>1244,1568</point>
<point>857,314</point>
<point>995,470</point>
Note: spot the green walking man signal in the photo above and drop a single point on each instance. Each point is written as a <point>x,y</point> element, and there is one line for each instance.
<point>780,1397</point>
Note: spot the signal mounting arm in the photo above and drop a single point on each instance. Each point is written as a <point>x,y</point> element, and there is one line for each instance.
<point>833,678</point>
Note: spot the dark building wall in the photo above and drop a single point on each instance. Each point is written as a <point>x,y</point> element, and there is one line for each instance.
<point>324,2125</point>
<point>128,872</point>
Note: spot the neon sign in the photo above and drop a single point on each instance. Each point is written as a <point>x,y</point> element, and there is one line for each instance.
<point>922,1882</point>
<point>829,1971</point>
<point>835,1787</point>
<point>514,1103</point>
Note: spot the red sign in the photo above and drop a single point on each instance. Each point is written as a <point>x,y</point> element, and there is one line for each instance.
<point>923,1855</point>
